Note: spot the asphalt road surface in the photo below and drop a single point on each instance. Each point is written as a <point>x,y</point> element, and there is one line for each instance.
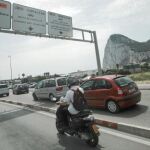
<point>138,115</point>
<point>22,129</point>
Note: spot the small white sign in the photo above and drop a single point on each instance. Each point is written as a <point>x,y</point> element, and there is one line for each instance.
<point>5,14</point>
<point>59,25</point>
<point>27,19</point>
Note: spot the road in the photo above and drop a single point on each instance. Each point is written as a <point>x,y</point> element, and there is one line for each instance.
<point>136,115</point>
<point>22,129</point>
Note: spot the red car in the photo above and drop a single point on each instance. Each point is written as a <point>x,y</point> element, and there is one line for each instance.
<point>111,92</point>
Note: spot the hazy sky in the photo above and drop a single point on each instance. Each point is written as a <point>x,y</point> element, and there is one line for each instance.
<point>34,55</point>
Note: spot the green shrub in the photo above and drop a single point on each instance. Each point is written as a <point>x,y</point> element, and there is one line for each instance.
<point>140,76</point>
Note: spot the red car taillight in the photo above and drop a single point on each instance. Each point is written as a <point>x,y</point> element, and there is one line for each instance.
<point>59,88</point>
<point>120,92</point>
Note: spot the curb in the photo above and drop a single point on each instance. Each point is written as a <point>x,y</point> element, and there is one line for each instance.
<point>144,88</point>
<point>128,128</point>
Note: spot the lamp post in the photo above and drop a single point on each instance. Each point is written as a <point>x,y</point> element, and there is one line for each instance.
<point>10,68</point>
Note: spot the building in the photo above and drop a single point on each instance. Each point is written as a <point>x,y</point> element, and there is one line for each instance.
<point>80,73</point>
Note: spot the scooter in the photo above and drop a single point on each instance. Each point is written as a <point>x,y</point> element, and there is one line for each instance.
<point>81,125</point>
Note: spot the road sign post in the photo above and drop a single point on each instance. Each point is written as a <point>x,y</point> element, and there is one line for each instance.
<point>97,54</point>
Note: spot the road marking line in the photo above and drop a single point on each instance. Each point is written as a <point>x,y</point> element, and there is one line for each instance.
<point>134,139</point>
<point>47,114</point>
<point>9,111</point>
<point>26,108</point>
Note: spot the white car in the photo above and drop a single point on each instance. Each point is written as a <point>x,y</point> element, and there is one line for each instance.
<point>4,90</point>
<point>51,89</point>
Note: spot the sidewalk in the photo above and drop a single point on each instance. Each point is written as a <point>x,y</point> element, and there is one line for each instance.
<point>128,128</point>
<point>143,86</point>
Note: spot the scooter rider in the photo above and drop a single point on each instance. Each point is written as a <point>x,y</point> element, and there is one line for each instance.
<point>68,100</point>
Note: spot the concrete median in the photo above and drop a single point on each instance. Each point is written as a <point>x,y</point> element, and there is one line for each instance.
<point>128,128</point>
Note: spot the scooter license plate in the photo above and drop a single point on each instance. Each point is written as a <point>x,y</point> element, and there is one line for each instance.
<point>95,129</point>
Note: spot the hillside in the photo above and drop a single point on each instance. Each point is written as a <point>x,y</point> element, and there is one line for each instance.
<point>123,50</point>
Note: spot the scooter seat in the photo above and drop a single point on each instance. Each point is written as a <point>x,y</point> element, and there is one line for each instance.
<point>82,114</point>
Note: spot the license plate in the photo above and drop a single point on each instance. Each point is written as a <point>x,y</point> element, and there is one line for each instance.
<point>95,129</point>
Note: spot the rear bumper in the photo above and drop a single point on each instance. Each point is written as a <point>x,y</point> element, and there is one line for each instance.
<point>129,100</point>
<point>22,91</point>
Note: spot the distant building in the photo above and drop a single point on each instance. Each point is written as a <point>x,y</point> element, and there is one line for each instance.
<point>132,68</point>
<point>83,73</point>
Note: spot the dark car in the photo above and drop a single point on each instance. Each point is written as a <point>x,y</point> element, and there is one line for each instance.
<point>20,89</point>
<point>111,92</point>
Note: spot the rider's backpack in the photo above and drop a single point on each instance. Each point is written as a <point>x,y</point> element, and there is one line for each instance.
<point>79,102</point>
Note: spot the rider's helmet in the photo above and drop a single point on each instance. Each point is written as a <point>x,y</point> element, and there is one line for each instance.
<point>73,82</point>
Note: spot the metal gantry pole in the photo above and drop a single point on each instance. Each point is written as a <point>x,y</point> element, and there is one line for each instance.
<point>97,54</point>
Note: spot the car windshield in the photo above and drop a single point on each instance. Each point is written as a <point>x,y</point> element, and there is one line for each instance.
<point>61,81</point>
<point>3,86</point>
<point>123,81</point>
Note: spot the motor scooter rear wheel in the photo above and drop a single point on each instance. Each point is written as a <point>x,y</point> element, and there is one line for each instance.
<point>93,141</point>
<point>59,127</point>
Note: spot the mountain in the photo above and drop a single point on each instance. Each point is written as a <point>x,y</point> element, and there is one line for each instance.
<point>123,50</point>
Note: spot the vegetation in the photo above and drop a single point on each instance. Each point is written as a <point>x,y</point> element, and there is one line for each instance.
<point>143,76</point>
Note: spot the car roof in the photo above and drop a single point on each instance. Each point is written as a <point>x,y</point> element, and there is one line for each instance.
<point>54,78</point>
<point>18,84</point>
<point>3,84</point>
<point>109,77</point>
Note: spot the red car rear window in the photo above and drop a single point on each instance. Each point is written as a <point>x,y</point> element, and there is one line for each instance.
<point>61,81</point>
<point>123,81</point>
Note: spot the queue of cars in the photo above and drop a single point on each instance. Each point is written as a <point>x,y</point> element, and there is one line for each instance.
<point>111,92</point>
<point>16,89</point>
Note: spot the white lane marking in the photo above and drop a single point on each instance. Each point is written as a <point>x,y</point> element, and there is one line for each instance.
<point>9,111</point>
<point>36,111</point>
<point>130,138</point>
<point>47,114</point>
<point>14,105</point>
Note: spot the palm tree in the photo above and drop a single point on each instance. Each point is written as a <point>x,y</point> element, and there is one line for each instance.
<point>23,75</point>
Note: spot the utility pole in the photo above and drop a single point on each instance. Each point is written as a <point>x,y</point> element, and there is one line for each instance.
<point>10,69</point>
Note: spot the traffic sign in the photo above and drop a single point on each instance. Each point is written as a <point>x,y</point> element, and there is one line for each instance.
<point>59,25</point>
<point>27,19</point>
<point>5,14</point>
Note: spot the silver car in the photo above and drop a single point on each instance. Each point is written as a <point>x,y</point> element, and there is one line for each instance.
<point>51,89</point>
<point>4,90</point>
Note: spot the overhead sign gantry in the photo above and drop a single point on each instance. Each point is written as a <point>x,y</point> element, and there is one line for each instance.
<point>36,22</point>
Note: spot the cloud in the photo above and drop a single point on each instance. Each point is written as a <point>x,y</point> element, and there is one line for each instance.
<point>120,9</point>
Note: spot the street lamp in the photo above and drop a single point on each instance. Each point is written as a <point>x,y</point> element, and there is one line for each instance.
<point>10,69</point>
